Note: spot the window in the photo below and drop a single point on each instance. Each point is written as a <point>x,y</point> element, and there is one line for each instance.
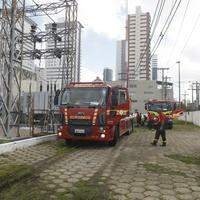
<point>132,85</point>
<point>148,92</point>
<point>122,97</point>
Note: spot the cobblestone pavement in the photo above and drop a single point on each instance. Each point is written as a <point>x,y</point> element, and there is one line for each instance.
<point>31,155</point>
<point>131,170</point>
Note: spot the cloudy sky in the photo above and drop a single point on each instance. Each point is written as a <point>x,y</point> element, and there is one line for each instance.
<point>104,24</point>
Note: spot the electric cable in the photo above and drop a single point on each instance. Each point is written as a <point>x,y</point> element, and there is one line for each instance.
<point>190,35</point>
<point>179,32</point>
<point>44,12</point>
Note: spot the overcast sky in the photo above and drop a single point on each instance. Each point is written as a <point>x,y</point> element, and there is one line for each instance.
<point>104,24</point>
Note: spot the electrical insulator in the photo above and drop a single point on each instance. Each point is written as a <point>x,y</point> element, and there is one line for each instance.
<point>54,87</point>
<point>37,54</point>
<point>40,86</point>
<point>54,27</point>
<point>33,29</point>
<point>58,53</point>
<point>47,86</point>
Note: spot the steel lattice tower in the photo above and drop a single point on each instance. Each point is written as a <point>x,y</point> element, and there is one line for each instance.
<point>11,41</point>
<point>12,38</point>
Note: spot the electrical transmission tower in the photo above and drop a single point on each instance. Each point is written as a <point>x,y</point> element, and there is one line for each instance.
<point>11,41</point>
<point>12,54</point>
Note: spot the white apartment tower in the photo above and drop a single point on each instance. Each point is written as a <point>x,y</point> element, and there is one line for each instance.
<point>138,36</point>
<point>154,65</point>
<point>121,68</point>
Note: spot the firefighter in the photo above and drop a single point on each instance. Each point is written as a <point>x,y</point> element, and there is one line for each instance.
<point>160,130</point>
<point>138,119</point>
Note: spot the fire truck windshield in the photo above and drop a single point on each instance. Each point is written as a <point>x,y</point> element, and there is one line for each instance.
<point>163,106</point>
<point>84,97</point>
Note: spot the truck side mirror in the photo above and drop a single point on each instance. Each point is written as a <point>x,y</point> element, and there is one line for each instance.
<point>114,100</point>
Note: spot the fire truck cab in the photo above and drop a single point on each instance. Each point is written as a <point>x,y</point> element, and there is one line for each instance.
<point>171,109</point>
<point>94,111</point>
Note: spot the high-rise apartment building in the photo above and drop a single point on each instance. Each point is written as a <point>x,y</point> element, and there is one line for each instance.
<point>121,68</point>
<point>54,66</point>
<point>138,36</point>
<point>154,65</point>
<point>107,74</point>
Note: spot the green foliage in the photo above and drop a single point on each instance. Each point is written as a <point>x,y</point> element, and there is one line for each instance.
<point>2,141</point>
<point>24,190</point>
<point>155,168</point>
<point>62,148</point>
<point>186,159</point>
<point>85,190</point>
<point>12,173</point>
<point>180,125</point>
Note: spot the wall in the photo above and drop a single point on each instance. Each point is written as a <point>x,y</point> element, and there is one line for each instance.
<point>193,117</point>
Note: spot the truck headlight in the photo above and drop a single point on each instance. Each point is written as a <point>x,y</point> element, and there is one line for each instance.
<point>59,133</point>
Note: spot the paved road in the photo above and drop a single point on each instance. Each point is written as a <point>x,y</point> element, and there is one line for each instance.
<point>131,170</point>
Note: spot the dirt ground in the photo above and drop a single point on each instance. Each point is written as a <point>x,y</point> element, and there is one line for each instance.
<point>132,170</point>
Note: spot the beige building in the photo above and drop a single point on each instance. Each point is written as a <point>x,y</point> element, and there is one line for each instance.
<point>138,36</point>
<point>141,91</point>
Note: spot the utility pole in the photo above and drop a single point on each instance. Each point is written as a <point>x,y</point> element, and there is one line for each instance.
<point>163,76</point>
<point>165,86</point>
<point>179,81</point>
<point>185,99</point>
<point>197,94</point>
<point>196,89</point>
<point>192,89</point>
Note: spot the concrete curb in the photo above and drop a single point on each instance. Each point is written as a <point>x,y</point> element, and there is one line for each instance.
<point>12,146</point>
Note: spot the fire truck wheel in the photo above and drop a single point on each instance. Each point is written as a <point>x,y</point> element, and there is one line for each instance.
<point>116,137</point>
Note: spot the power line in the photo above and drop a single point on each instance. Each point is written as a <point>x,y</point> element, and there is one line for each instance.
<point>164,30</point>
<point>179,32</point>
<point>158,17</point>
<point>190,35</point>
<point>44,12</point>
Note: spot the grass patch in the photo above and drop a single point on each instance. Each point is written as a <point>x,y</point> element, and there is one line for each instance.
<point>161,170</point>
<point>4,141</point>
<point>87,190</point>
<point>180,125</point>
<point>62,148</point>
<point>24,190</point>
<point>12,173</point>
<point>186,159</point>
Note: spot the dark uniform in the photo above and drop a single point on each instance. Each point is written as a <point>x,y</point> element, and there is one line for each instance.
<point>160,130</point>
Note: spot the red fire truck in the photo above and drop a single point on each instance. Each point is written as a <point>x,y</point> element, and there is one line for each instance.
<point>171,109</point>
<point>94,111</point>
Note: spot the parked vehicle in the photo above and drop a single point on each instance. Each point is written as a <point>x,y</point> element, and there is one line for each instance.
<point>171,109</point>
<point>94,111</point>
